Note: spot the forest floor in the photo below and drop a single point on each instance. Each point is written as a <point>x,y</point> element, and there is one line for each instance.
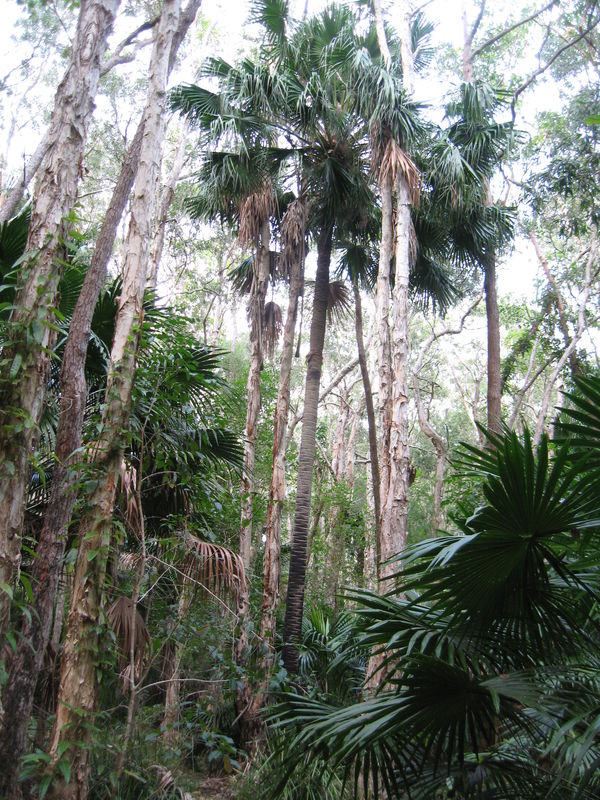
<point>218,787</point>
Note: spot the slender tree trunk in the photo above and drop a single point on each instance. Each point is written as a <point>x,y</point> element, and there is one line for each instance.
<point>494,376</point>
<point>35,628</point>
<point>394,507</point>
<point>78,694</point>
<point>295,594</point>
<point>25,358</point>
<point>171,715</point>
<point>18,190</point>
<point>384,352</point>
<point>271,558</point>
<point>560,306</point>
<point>335,516</point>
<point>166,198</point>
<point>256,309</point>
<point>245,699</point>
<point>368,392</point>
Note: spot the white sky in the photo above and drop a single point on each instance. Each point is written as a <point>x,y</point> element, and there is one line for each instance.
<point>230,17</point>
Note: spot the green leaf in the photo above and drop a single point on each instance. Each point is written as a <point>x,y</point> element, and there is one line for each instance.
<point>4,587</point>
<point>65,770</point>
<point>16,366</point>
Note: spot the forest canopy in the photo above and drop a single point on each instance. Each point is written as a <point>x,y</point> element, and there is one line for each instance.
<point>299,400</point>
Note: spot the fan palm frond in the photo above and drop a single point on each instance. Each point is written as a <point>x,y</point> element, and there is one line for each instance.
<point>216,568</point>
<point>339,302</point>
<point>131,634</point>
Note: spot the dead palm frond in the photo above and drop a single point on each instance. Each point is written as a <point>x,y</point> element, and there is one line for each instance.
<point>254,210</point>
<point>338,301</point>
<point>128,562</point>
<point>133,512</point>
<point>395,164</point>
<point>121,614</point>
<point>293,227</point>
<point>272,327</point>
<point>213,567</point>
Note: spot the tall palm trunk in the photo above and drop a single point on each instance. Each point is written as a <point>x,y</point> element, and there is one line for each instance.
<point>271,558</point>
<point>78,694</point>
<point>26,356</point>
<point>45,572</point>
<point>494,376</point>
<point>253,698</point>
<point>394,506</point>
<point>295,594</point>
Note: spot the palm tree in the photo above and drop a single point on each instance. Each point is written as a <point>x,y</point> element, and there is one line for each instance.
<point>490,642</point>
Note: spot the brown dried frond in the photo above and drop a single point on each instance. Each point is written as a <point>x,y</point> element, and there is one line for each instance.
<point>272,327</point>
<point>216,568</point>
<point>338,300</point>
<point>129,561</point>
<point>120,615</point>
<point>167,779</point>
<point>395,163</point>
<point>254,210</point>
<point>133,512</point>
<point>293,228</point>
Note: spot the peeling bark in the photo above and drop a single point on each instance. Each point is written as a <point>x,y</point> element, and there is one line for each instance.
<point>78,691</point>
<point>26,355</point>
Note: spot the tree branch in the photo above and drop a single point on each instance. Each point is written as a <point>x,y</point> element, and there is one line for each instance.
<point>511,28</point>
<point>117,58</point>
<point>469,38</point>
<point>548,64</point>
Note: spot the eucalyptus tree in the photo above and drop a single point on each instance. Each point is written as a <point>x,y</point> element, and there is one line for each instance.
<point>25,354</point>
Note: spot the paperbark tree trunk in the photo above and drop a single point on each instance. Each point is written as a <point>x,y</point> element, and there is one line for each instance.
<point>368,392</point>
<point>271,558</point>
<point>295,594</point>
<point>25,357</point>
<point>394,499</point>
<point>35,628</point>
<point>256,309</point>
<point>384,353</point>
<point>78,694</point>
<point>393,357</point>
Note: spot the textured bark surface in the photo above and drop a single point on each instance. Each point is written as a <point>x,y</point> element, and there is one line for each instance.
<point>394,507</point>
<point>25,358</point>
<point>256,309</point>
<point>35,630</point>
<point>295,594</point>
<point>271,557</point>
<point>370,408</point>
<point>384,350</point>
<point>15,196</point>
<point>494,377</point>
<point>77,699</point>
